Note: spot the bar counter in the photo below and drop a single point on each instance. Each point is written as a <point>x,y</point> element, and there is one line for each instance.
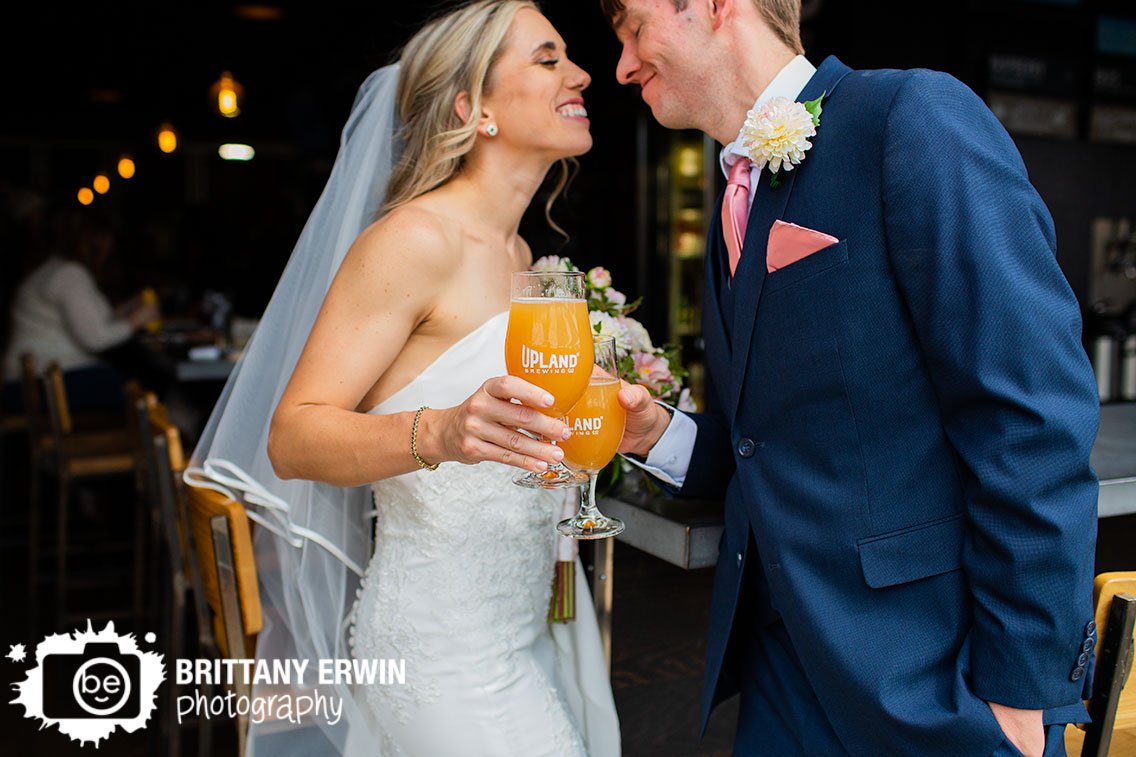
<point>686,532</point>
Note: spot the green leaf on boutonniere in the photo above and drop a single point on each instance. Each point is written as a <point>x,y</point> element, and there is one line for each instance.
<point>814,108</point>
<point>774,180</point>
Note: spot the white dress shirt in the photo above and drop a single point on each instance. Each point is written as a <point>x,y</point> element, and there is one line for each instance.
<point>669,459</point>
<point>59,314</point>
<point>788,83</point>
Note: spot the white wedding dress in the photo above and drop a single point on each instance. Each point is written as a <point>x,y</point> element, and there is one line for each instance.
<point>459,588</point>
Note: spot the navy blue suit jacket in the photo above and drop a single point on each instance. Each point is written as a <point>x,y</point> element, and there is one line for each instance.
<point>904,421</point>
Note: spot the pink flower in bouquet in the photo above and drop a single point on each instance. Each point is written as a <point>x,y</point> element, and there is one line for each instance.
<point>685,403</point>
<point>615,297</point>
<point>599,278</point>
<point>653,371</point>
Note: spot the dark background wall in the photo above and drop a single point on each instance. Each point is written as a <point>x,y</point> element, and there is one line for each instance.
<point>88,83</point>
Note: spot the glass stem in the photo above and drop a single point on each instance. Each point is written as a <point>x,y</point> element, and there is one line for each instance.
<point>588,509</point>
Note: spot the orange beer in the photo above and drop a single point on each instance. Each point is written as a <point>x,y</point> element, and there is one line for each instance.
<point>597,423</point>
<point>549,344</point>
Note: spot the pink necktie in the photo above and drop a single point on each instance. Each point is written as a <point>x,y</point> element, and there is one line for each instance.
<point>735,210</point>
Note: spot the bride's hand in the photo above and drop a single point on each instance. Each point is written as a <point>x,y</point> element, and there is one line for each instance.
<point>485,427</point>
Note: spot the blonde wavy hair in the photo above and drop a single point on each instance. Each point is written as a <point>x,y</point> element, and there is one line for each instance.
<point>454,53</point>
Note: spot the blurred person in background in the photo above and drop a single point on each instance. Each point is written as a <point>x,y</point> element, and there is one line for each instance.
<point>58,313</point>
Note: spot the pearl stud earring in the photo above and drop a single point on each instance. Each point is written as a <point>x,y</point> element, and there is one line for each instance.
<point>491,130</point>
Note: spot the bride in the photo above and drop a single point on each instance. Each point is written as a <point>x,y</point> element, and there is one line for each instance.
<point>400,387</point>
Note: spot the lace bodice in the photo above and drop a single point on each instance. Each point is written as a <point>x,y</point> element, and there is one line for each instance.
<point>460,582</point>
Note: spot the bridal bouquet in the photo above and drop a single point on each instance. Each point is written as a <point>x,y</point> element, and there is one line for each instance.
<point>640,361</point>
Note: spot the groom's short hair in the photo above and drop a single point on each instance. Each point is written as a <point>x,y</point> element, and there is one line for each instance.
<point>782,16</point>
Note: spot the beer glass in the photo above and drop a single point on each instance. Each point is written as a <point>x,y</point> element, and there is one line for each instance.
<point>549,344</point>
<point>597,423</point>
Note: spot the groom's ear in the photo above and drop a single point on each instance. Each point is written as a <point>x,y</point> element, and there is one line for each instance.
<point>719,11</point>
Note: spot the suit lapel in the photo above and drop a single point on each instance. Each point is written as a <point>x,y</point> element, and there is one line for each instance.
<point>768,206</point>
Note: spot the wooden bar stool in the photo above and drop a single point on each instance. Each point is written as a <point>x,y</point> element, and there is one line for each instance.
<point>70,458</point>
<point>223,539</point>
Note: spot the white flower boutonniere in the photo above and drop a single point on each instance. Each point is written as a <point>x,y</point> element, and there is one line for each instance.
<point>777,134</point>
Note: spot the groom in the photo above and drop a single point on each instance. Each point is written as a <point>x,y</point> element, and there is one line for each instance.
<point>900,413</point>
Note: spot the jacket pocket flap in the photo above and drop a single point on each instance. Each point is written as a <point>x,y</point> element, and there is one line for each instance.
<point>913,553</point>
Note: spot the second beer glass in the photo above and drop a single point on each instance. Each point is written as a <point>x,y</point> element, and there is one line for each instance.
<point>597,423</point>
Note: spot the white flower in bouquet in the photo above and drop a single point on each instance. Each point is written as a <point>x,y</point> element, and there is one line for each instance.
<point>615,297</point>
<point>606,325</point>
<point>599,278</point>
<point>551,264</point>
<point>638,338</point>
<point>685,403</point>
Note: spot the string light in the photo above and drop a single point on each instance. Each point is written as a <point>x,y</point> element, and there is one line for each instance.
<point>86,196</point>
<point>101,183</point>
<point>227,94</point>
<point>126,167</point>
<point>167,138</point>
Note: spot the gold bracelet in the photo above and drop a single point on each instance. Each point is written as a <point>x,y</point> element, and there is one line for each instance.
<point>414,442</point>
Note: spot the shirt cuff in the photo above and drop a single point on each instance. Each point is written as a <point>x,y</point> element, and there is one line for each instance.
<point>669,459</point>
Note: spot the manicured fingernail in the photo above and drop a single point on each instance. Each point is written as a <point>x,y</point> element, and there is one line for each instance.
<point>566,434</point>
<point>541,465</point>
<point>547,399</point>
<point>558,454</point>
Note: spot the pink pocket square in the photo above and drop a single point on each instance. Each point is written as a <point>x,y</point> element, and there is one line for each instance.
<point>789,243</point>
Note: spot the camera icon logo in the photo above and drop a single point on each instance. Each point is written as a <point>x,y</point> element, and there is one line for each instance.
<point>92,683</point>
<point>99,682</point>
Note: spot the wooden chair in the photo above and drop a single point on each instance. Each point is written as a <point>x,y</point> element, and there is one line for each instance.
<point>1113,706</point>
<point>70,458</point>
<point>29,384</point>
<point>139,406</point>
<point>223,539</point>
<point>12,424</point>
<point>166,462</point>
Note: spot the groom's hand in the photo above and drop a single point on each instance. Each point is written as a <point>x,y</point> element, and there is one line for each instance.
<point>488,426</point>
<point>1023,728</point>
<point>646,420</point>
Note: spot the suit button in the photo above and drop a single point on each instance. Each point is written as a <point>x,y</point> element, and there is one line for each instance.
<point>1089,644</point>
<point>1091,628</point>
<point>1082,659</point>
<point>746,447</point>
<point>739,559</point>
<point>1077,673</point>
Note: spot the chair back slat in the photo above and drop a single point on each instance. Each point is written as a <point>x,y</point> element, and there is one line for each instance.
<point>166,463</point>
<point>29,386</point>
<point>204,506</point>
<point>55,396</point>
<point>160,424</point>
<point>234,635</point>
<point>1113,706</point>
<point>140,404</point>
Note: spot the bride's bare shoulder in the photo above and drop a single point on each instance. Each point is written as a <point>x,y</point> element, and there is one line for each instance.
<point>413,235</point>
